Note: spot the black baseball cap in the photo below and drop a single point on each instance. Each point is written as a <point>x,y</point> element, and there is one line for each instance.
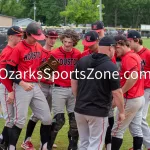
<point>97,26</point>
<point>120,38</point>
<point>15,30</point>
<point>90,38</point>
<point>107,41</point>
<point>132,34</point>
<point>51,33</point>
<point>35,30</point>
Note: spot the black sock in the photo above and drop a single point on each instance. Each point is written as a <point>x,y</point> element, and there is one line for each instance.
<point>44,132</point>
<point>30,129</point>
<point>137,143</point>
<point>116,143</point>
<point>14,135</point>
<point>108,132</point>
<point>6,135</point>
<point>4,132</point>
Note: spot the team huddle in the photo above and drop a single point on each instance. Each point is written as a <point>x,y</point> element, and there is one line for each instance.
<point>89,103</point>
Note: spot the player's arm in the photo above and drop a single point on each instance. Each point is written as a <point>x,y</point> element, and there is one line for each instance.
<point>11,66</point>
<point>130,82</point>
<point>131,75</point>
<point>74,85</point>
<point>117,92</point>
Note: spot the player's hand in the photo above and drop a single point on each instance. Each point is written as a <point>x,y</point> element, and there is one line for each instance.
<point>121,117</point>
<point>26,86</point>
<point>11,97</point>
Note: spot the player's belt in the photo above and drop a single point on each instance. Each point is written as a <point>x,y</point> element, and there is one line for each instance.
<point>56,85</point>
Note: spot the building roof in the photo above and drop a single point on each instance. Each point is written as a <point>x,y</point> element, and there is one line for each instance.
<point>7,16</point>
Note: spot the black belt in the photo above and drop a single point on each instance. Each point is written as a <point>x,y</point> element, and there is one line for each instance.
<point>61,86</point>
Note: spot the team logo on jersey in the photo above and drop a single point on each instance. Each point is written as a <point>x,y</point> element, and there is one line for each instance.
<point>67,61</point>
<point>143,63</point>
<point>32,56</point>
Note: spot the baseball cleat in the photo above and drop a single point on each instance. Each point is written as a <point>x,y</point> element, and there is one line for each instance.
<point>27,145</point>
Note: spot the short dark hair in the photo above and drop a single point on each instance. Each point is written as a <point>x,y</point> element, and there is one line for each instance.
<point>70,34</point>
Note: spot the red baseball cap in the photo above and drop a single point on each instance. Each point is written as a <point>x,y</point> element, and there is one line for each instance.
<point>36,31</point>
<point>90,38</point>
<point>97,26</point>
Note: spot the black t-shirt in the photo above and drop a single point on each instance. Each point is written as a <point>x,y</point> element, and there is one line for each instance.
<point>97,76</point>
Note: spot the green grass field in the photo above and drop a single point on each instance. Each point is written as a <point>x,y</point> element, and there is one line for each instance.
<point>62,140</point>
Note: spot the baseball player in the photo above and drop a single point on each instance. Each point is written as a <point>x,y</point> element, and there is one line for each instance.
<point>132,86</point>
<point>14,34</point>
<point>92,107</point>
<point>99,28</point>
<point>136,42</point>
<point>62,95</point>
<point>46,85</point>
<point>27,57</point>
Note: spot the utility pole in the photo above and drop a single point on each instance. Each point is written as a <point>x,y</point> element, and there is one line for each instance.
<point>100,11</point>
<point>34,10</point>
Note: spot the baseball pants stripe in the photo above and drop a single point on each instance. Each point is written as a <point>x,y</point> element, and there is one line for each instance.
<point>8,109</point>
<point>92,131</point>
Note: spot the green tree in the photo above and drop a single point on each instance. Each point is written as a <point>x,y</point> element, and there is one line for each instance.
<point>81,11</point>
<point>48,11</point>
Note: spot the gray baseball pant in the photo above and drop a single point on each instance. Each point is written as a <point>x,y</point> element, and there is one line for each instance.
<point>8,109</point>
<point>36,100</point>
<point>145,127</point>
<point>47,90</point>
<point>62,97</point>
<point>92,131</point>
<point>133,118</point>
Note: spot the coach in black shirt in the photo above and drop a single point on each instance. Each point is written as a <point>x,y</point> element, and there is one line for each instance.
<point>94,82</point>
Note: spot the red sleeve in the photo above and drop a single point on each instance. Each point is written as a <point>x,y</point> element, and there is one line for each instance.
<point>14,57</point>
<point>131,65</point>
<point>6,81</point>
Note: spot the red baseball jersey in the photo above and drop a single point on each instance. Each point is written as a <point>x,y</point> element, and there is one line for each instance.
<point>86,48</point>
<point>45,55</point>
<point>27,58</point>
<point>88,52</point>
<point>144,53</point>
<point>67,61</point>
<point>85,53</point>
<point>131,62</point>
<point>3,61</point>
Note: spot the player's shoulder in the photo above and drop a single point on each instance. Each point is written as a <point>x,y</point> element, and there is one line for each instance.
<point>55,50</point>
<point>85,53</point>
<point>77,51</point>
<point>146,51</point>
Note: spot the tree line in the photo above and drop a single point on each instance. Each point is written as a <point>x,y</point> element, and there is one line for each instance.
<point>124,13</point>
